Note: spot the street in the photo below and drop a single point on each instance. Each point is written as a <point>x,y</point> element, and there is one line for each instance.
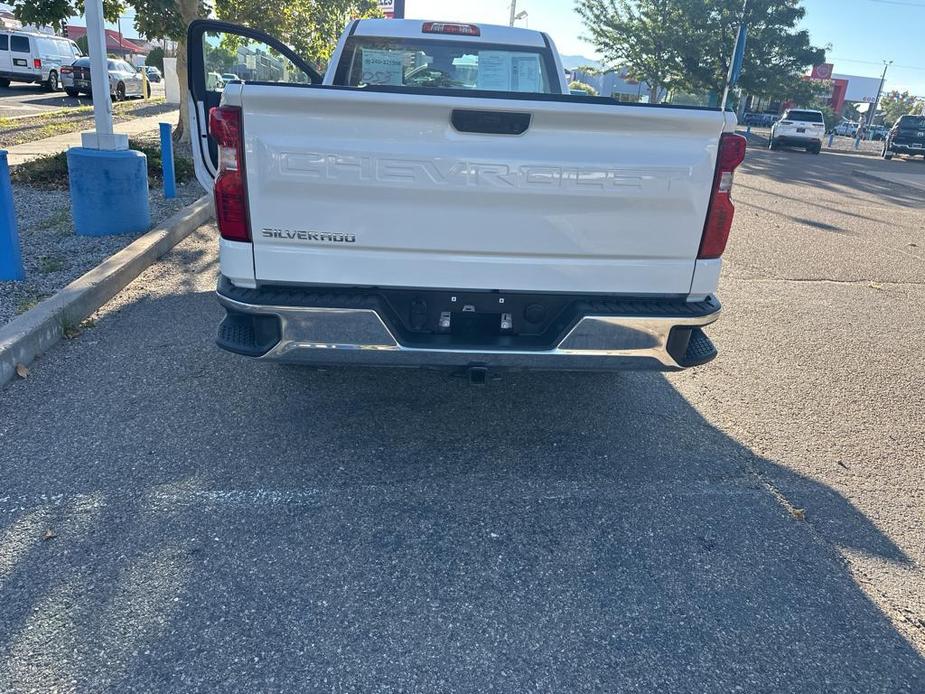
<point>32,99</point>
<point>177,518</point>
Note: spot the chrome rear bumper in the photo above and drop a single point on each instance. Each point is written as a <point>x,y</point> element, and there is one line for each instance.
<point>329,335</point>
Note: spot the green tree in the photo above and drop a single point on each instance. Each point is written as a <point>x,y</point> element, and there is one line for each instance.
<point>156,58</point>
<point>850,112</point>
<point>895,104</point>
<point>55,13</point>
<point>645,36</point>
<point>776,52</point>
<point>219,58</point>
<point>310,27</point>
<point>687,45</point>
<point>582,87</point>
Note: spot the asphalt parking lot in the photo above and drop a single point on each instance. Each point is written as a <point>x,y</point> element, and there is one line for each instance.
<point>175,518</point>
<point>32,99</point>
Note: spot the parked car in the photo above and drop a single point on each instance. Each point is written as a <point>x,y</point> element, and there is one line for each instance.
<point>799,128</point>
<point>874,132</point>
<point>153,73</point>
<point>229,77</point>
<point>124,80</point>
<point>761,120</point>
<point>34,58</point>
<point>215,82</point>
<point>907,136</point>
<point>847,128</point>
<point>464,241</point>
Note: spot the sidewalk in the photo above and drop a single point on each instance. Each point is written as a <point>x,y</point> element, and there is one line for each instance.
<point>20,154</point>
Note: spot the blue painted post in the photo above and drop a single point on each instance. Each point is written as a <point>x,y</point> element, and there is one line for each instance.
<point>170,178</point>
<point>10,256</point>
<point>831,138</point>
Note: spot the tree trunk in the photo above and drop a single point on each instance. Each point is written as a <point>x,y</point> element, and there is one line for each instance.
<point>181,133</point>
<point>189,11</point>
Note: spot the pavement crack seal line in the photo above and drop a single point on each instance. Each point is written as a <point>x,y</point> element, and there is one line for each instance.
<point>31,334</point>
<point>912,626</point>
<point>820,280</point>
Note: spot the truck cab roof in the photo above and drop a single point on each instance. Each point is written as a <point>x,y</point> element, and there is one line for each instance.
<point>414,28</point>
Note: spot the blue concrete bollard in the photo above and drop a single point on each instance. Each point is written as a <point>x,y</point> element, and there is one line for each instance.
<point>109,191</point>
<point>10,255</point>
<point>170,178</point>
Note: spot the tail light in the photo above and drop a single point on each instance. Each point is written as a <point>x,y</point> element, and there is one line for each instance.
<point>451,28</point>
<point>230,194</point>
<point>719,215</point>
<point>67,70</point>
<point>37,63</point>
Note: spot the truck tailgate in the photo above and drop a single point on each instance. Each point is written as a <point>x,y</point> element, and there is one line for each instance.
<point>352,187</point>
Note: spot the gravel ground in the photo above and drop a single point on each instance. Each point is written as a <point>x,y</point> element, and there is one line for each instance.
<point>54,255</point>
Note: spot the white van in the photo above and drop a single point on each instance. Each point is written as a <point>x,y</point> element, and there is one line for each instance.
<point>34,58</point>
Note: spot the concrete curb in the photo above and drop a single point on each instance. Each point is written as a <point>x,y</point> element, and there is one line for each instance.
<point>34,332</point>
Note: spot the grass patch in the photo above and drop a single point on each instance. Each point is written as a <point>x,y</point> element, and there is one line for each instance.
<point>17,131</point>
<point>51,171</point>
<point>28,302</point>
<point>49,264</point>
<point>55,220</point>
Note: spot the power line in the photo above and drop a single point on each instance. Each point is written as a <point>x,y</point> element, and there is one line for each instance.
<point>903,3</point>
<point>874,62</point>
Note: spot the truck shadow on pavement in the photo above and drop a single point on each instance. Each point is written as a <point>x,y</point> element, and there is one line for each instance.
<point>219,521</point>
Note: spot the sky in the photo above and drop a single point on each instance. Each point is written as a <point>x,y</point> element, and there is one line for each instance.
<point>862,33</point>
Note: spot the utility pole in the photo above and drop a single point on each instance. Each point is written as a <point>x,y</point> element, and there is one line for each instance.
<point>873,106</point>
<point>513,12</point>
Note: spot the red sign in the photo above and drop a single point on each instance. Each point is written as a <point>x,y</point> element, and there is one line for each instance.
<point>823,72</point>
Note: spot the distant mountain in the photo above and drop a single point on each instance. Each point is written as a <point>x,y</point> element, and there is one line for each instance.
<point>570,62</point>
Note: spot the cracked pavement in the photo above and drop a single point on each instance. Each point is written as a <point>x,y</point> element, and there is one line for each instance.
<point>757,524</point>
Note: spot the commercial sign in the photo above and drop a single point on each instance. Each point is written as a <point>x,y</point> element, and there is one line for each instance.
<point>387,7</point>
<point>823,71</point>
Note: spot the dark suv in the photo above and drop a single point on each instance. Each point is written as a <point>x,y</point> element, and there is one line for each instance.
<point>906,137</point>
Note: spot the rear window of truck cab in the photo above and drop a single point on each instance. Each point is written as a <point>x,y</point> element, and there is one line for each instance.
<point>911,123</point>
<point>804,116</point>
<point>429,64</point>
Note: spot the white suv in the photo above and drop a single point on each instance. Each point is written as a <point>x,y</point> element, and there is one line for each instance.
<point>799,128</point>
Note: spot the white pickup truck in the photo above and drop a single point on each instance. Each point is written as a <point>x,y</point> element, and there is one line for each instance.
<point>439,199</point>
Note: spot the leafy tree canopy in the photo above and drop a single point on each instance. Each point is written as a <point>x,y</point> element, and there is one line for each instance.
<point>895,104</point>
<point>687,45</point>
<point>310,27</point>
<point>156,58</point>
<point>55,13</point>
<point>582,87</point>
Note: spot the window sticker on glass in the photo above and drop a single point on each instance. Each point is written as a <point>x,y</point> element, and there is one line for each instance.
<point>494,71</point>
<point>509,72</point>
<point>525,73</point>
<point>382,67</point>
